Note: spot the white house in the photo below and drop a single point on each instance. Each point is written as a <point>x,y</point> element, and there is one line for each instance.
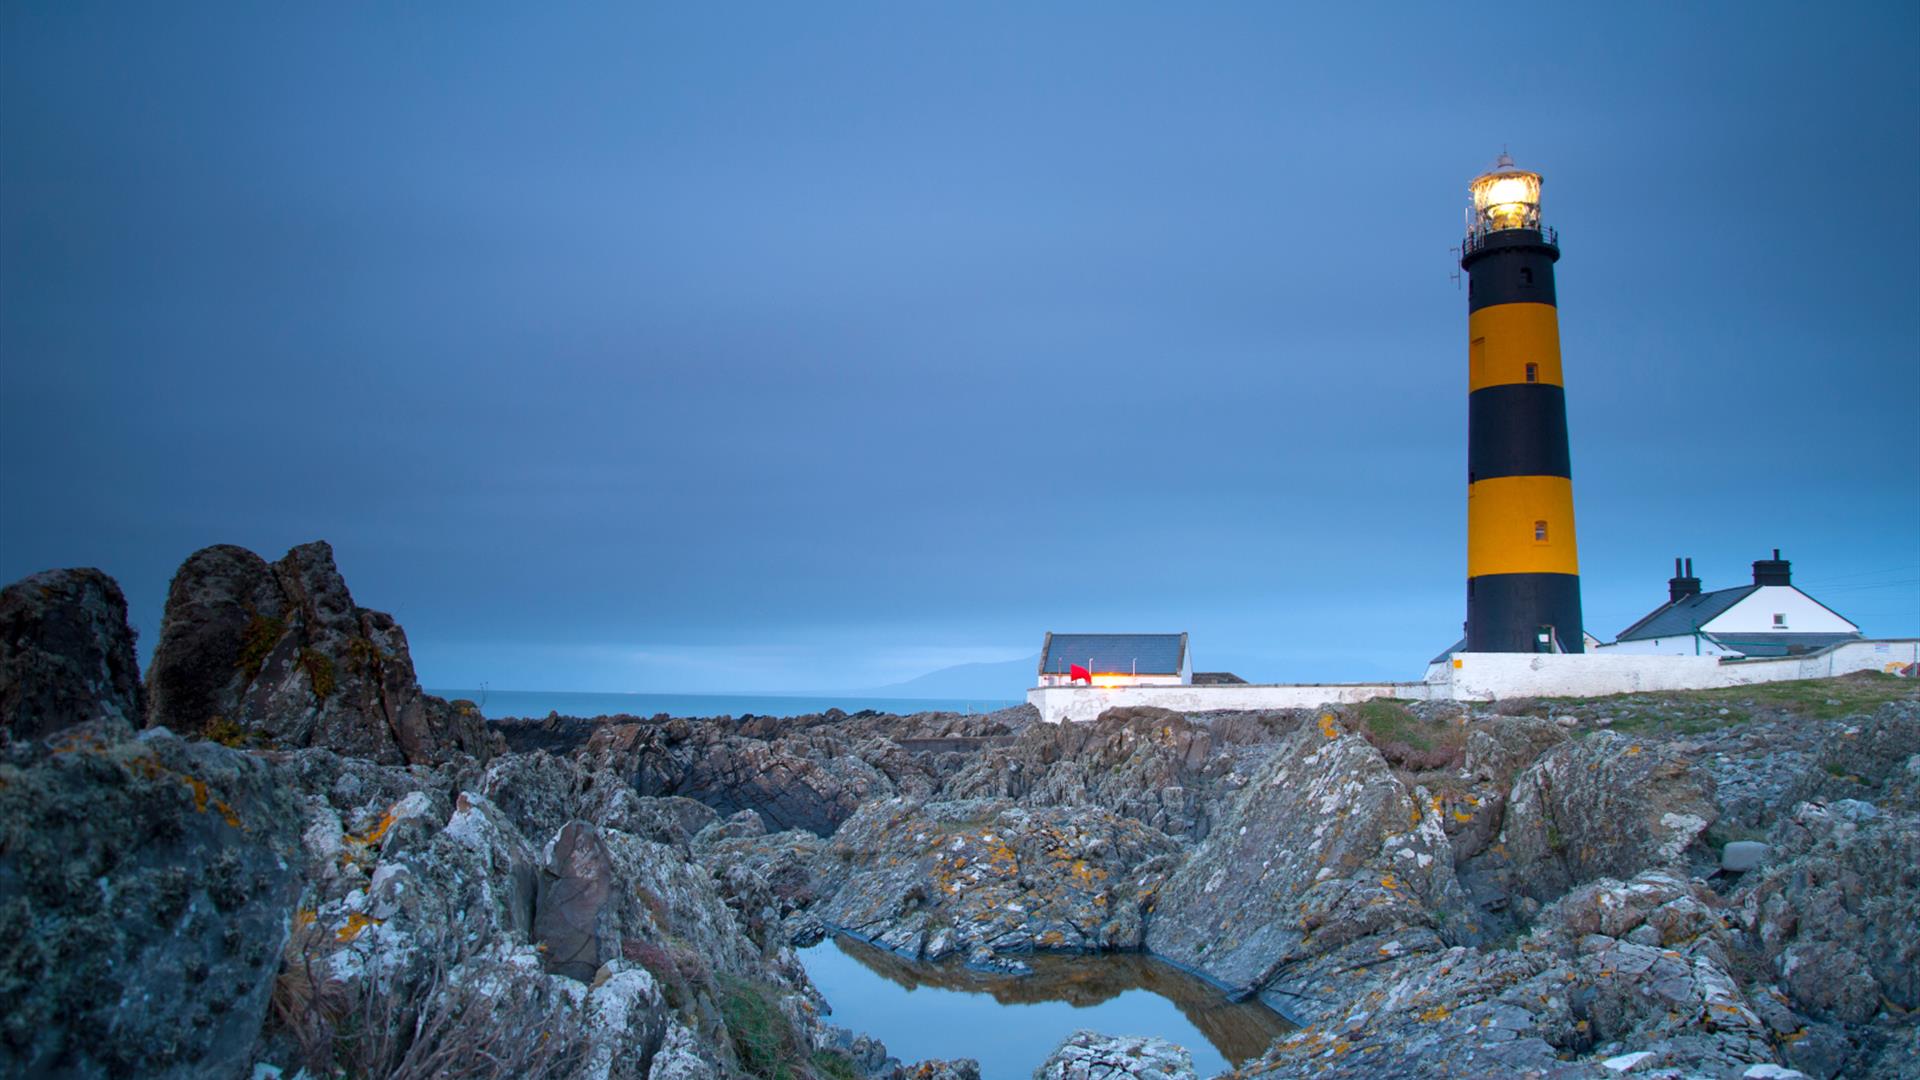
<point>1115,660</point>
<point>1770,617</point>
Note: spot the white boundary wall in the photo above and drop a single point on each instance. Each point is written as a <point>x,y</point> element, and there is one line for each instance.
<point>1490,677</point>
<point>1081,703</point>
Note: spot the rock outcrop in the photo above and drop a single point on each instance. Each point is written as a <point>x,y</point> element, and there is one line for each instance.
<point>66,654</point>
<point>145,889</point>
<point>1607,805</point>
<point>1323,848</point>
<point>279,655</point>
<point>990,877</point>
<point>1089,1055</point>
<point>1152,765</point>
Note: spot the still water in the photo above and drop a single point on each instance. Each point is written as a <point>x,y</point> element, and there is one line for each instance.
<point>1010,1023</point>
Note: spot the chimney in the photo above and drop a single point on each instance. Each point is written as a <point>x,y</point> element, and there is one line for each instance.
<point>1774,571</point>
<point>1683,584</point>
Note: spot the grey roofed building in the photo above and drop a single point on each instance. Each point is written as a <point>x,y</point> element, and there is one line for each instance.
<point>1769,617</point>
<point>1678,618</point>
<point>1115,654</point>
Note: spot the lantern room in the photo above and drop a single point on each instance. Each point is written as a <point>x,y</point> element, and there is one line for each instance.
<point>1506,198</point>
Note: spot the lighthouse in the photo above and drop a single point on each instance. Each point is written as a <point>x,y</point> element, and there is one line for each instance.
<point>1523,567</point>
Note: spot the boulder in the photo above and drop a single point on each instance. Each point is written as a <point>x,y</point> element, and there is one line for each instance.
<point>938,879</point>
<point>1089,1055</point>
<point>1324,847</point>
<point>278,655</point>
<point>66,654</point>
<point>146,885</point>
<point>1606,805</point>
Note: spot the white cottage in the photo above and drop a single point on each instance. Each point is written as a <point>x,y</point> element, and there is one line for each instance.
<point>1115,660</point>
<point>1770,617</point>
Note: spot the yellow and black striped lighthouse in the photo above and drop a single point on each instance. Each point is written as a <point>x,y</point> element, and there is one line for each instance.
<point>1523,569</point>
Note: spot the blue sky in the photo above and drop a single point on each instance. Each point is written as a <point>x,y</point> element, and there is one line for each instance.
<point>802,346</point>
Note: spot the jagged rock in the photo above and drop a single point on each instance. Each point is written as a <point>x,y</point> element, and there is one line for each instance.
<point>957,1069</point>
<point>1148,764</point>
<point>145,888</point>
<point>932,880</point>
<point>1606,805</point>
<point>1835,911</point>
<point>574,892</point>
<point>66,654</point>
<point>1089,1055</point>
<point>1323,847</point>
<point>801,780</point>
<point>279,654</point>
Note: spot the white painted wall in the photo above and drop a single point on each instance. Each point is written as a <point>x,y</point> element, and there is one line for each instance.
<point>1081,703</point>
<point>1754,615</point>
<point>1494,676</point>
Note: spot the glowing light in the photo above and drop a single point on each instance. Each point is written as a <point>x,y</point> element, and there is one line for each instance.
<point>1507,198</point>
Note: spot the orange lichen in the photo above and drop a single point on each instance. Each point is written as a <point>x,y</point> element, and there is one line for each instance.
<point>1388,882</point>
<point>227,813</point>
<point>304,918</point>
<point>356,923</point>
<point>1328,727</point>
<point>372,836</point>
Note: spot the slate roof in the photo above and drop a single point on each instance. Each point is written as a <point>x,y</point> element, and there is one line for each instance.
<point>1682,617</point>
<point>1115,654</point>
<point>1458,646</point>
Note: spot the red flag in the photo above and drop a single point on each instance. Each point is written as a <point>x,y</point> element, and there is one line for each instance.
<point>1076,673</point>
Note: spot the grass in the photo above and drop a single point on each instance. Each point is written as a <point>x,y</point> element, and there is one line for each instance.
<point>763,1040</point>
<point>1695,712</point>
<point>1406,740</point>
<point>833,1065</point>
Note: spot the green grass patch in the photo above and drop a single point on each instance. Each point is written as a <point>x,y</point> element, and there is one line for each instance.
<point>763,1040</point>
<point>1389,720</point>
<point>833,1065</point>
<point>1696,712</point>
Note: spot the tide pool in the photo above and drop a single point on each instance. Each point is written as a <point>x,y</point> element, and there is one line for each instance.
<point>1010,1023</point>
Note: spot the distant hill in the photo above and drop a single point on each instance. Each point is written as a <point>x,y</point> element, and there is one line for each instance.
<point>1005,680</point>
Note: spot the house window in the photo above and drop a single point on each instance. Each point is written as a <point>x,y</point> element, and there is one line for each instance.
<point>1779,620</point>
<point>1533,372</point>
<point>1539,532</point>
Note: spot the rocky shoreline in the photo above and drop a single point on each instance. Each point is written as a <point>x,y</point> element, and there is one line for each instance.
<point>275,853</point>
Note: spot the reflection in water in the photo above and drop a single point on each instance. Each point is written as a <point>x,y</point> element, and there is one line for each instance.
<point>1098,984</point>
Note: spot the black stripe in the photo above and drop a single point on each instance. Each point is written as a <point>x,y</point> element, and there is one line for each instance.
<point>1517,429</point>
<point>1505,611</point>
<point>1510,275</point>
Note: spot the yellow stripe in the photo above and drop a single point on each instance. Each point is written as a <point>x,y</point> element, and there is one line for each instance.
<point>1505,338</point>
<point>1501,525</point>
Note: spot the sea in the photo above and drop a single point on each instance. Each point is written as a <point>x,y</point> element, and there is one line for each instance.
<point>501,704</point>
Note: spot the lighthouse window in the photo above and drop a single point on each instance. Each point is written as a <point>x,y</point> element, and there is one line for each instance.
<point>1526,275</point>
<point>1779,620</point>
<point>1533,372</point>
<point>1539,532</point>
